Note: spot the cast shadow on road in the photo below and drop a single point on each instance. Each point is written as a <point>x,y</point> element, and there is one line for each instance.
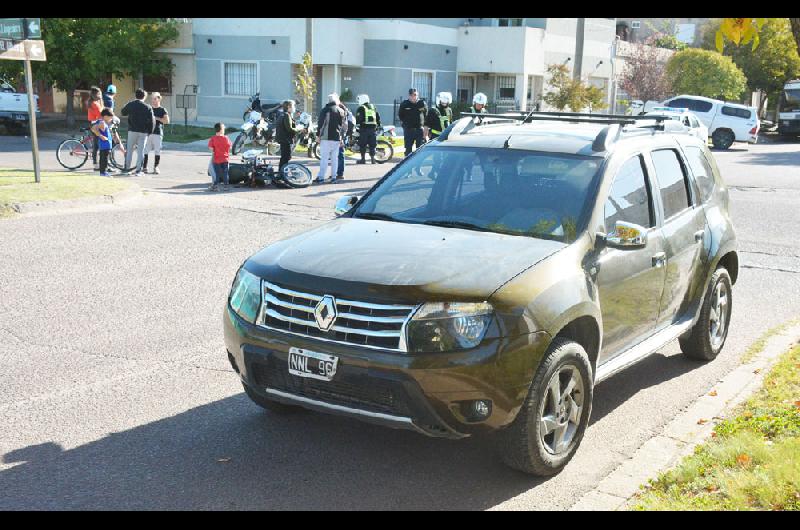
<point>791,158</point>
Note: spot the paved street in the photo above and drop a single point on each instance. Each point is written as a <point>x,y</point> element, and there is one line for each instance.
<point>115,390</point>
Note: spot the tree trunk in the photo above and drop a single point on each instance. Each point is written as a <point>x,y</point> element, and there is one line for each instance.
<point>795,22</point>
<point>70,108</point>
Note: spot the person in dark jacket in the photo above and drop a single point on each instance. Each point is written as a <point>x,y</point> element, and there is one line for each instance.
<point>285,131</point>
<point>141,122</point>
<point>368,120</point>
<point>331,128</point>
<point>412,114</point>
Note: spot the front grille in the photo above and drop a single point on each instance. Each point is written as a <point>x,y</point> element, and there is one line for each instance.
<point>355,391</point>
<point>357,323</point>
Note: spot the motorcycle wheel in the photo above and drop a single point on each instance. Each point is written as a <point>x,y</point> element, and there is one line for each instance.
<point>296,175</point>
<point>236,148</point>
<point>383,151</point>
<point>316,151</point>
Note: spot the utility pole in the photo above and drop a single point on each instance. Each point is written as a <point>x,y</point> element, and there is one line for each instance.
<point>32,115</point>
<point>613,101</point>
<point>310,52</point>
<point>579,36</point>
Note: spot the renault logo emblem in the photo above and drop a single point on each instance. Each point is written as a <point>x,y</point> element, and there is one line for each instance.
<point>325,312</point>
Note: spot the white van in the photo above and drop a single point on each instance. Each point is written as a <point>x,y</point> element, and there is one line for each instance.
<point>726,122</point>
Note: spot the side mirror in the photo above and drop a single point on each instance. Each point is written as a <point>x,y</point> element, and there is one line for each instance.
<point>344,204</point>
<point>626,236</point>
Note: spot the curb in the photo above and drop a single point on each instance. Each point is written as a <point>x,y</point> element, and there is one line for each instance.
<point>131,192</point>
<point>690,428</point>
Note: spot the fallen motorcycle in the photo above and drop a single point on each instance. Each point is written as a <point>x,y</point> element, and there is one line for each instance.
<point>256,169</point>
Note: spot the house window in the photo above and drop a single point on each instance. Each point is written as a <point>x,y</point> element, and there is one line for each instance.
<point>506,84</point>
<point>158,83</point>
<point>508,22</point>
<point>423,82</point>
<point>466,88</point>
<point>241,79</point>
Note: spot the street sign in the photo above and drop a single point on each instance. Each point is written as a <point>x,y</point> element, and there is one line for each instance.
<point>20,28</point>
<point>32,50</point>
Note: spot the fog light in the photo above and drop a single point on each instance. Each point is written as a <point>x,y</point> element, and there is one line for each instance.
<point>481,409</point>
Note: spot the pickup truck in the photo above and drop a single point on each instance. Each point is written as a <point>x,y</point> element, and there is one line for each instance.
<point>726,122</point>
<point>14,109</point>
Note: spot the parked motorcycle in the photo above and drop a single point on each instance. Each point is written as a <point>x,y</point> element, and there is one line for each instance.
<point>254,130</point>
<point>255,167</point>
<point>308,138</point>
<point>384,150</point>
<point>254,104</point>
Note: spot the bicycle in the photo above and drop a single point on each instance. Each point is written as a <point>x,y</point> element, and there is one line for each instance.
<point>73,152</point>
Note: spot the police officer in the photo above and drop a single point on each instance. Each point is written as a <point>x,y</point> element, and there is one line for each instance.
<point>441,116</point>
<point>412,114</point>
<point>478,103</point>
<point>368,120</point>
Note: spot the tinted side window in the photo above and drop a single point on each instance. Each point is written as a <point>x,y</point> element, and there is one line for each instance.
<point>680,103</point>
<point>701,169</point>
<point>739,113</point>
<point>671,181</point>
<point>700,106</point>
<point>629,199</point>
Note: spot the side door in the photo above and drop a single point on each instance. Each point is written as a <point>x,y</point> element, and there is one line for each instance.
<point>684,230</point>
<point>630,281</point>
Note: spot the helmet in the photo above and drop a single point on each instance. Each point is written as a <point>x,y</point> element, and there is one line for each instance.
<point>362,98</point>
<point>111,89</point>
<point>479,99</point>
<point>444,98</point>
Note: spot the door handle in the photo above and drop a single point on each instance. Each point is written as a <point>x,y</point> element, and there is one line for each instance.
<point>698,236</point>
<point>659,259</point>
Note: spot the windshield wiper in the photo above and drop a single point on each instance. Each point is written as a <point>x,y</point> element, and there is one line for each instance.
<point>457,224</point>
<point>376,215</point>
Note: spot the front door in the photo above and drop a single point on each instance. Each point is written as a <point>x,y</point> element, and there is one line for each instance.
<point>630,281</point>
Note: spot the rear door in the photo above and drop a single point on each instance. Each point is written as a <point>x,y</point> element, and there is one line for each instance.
<point>684,230</point>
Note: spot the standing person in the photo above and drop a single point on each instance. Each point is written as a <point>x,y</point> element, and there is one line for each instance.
<point>108,97</point>
<point>368,120</point>
<point>154,140</point>
<point>220,145</point>
<point>141,122</point>
<point>478,103</point>
<point>412,114</point>
<point>441,116</point>
<point>93,114</point>
<point>350,122</point>
<point>285,131</point>
<point>102,131</point>
<point>331,127</point>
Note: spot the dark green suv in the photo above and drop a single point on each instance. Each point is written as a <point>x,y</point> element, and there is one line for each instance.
<point>491,279</point>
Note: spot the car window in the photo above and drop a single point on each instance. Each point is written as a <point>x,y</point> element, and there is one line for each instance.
<point>694,122</point>
<point>671,181</point>
<point>737,112</point>
<point>701,169</point>
<point>698,105</point>
<point>629,199</point>
<point>680,103</point>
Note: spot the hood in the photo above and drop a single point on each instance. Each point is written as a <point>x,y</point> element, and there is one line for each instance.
<point>375,260</point>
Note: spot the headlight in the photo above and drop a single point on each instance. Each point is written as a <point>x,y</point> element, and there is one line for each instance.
<point>245,297</point>
<point>448,326</point>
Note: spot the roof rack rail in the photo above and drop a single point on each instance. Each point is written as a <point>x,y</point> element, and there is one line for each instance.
<point>575,117</point>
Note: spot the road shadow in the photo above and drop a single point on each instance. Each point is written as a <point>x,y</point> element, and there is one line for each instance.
<point>230,454</point>
<point>791,158</point>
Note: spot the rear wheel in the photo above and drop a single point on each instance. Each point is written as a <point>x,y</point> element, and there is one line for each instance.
<point>72,154</point>
<point>723,138</point>
<point>549,427</point>
<point>268,404</point>
<point>236,148</point>
<point>383,151</point>
<point>706,339</point>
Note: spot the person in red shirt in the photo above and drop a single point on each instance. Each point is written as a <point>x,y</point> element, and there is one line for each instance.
<point>93,114</point>
<point>220,145</point>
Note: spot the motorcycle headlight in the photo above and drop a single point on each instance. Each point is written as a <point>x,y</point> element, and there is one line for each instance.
<point>448,326</point>
<point>245,296</point>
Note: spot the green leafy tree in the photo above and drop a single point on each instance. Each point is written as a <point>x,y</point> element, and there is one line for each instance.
<point>705,73</point>
<point>304,82</point>
<point>566,92</point>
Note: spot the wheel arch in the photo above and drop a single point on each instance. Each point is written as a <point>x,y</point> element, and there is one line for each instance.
<point>586,331</point>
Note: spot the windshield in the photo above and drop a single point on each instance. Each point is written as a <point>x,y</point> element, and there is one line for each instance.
<point>792,97</point>
<point>507,191</point>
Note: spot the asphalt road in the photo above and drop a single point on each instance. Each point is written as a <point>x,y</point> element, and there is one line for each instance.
<point>115,390</point>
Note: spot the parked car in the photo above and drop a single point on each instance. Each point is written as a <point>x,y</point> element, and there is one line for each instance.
<point>490,280</point>
<point>726,122</point>
<point>14,109</point>
<point>685,117</point>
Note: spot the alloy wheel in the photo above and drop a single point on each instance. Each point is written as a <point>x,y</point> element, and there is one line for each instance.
<point>561,409</point>
<point>718,317</point>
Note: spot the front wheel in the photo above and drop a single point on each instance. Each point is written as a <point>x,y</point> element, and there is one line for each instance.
<point>706,339</point>
<point>236,148</point>
<point>383,151</point>
<point>549,427</point>
<point>72,154</point>
<point>314,150</point>
<point>723,139</point>
<point>296,175</point>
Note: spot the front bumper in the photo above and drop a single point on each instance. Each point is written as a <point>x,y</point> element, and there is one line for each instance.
<point>427,393</point>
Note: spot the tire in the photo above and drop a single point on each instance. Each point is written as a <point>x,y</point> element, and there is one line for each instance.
<point>384,151</point>
<point>523,445</point>
<point>706,339</point>
<point>72,154</point>
<point>296,175</point>
<point>316,152</point>
<point>236,148</point>
<point>270,405</point>
<point>117,157</point>
<point>723,139</point>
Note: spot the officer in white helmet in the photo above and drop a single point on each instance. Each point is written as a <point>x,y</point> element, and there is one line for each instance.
<point>478,103</point>
<point>441,116</point>
<point>368,121</point>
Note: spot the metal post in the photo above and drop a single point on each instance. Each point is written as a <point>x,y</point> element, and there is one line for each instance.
<point>614,75</point>
<point>579,36</point>
<point>32,121</point>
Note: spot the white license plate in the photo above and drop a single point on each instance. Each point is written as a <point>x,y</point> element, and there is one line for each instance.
<point>315,365</point>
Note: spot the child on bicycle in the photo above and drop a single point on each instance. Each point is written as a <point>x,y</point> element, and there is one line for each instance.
<point>103,131</point>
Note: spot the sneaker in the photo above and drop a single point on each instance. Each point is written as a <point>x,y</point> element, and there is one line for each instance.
<point>139,174</point>
<point>104,174</point>
<point>362,161</point>
<point>144,170</point>
<point>156,170</point>
<point>213,187</point>
<point>372,161</point>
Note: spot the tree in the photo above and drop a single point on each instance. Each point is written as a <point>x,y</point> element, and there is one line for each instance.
<point>573,93</point>
<point>644,76</point>
<point>304,82</point>
<point>795,23</point>
<point>771,64</point>
<point>705,73</point>
<point>744,29</point>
